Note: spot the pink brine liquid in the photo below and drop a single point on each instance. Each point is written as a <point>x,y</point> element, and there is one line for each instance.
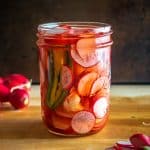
<point>75,74</point>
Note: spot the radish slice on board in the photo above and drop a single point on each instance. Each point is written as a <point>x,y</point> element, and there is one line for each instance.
<point>85,83</point>
<point>83,122</point>
<point>124,144</point>
<point>140,140</point>
<point>100,107</point>
<point>66,77</point>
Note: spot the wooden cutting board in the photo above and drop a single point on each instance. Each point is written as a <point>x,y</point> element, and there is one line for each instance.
<point>24,130</point>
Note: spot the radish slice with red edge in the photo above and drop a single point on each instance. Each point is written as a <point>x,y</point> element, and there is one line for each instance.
<point>86,46</point>
<point>19,98</point>
<point>125,144</point>
<point>66,77</point>
<point>97,85</point>
<point>140,140</point>
<point>100,107</point>
<point>72,103</point>
<point>83,122</point>
<point>87,61</point>
<point>85,83</point>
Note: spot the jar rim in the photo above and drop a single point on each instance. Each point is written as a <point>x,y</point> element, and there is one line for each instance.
<point>79,27</point>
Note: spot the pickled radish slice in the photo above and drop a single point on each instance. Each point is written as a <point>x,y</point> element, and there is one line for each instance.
<point>60,122</point>
<point>66,77</point>
<point>87,61</point>
<point>100,107</point>
<point>83,122</point>
<point>140,140</point>
<point>60,111</point>
<point>86,46</point>
<point>125,144</point>
<point>85,83</point>
<point>97,85</point>
<point>78,69</point>
<point>72,103</point>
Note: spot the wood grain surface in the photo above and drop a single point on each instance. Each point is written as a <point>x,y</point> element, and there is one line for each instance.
<point>24,130</point>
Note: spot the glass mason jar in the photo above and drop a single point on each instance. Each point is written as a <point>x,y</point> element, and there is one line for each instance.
<point>74,60</point>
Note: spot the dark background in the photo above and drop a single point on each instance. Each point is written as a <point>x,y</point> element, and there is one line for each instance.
<point>130,20</point>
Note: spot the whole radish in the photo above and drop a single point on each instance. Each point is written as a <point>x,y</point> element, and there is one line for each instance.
<point>4,92</point>
<point>19,98</point>
<point>17,81</point>
<point>15,88</point>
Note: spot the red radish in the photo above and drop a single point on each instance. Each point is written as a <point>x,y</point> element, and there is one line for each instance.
<point>83,122</point>
<point>125,144</point>
<point>60,122</point>
<point>4,92</point>
<point>1,80</point>
<point>19,98</point>
<point>66,77</point>
<point>140,140</point>
<point>122,148</point>
<point>85,83</point>
<point>97,85</point>
<point>16,81</point>
<point>87,61</point>
<point>100,107</point>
